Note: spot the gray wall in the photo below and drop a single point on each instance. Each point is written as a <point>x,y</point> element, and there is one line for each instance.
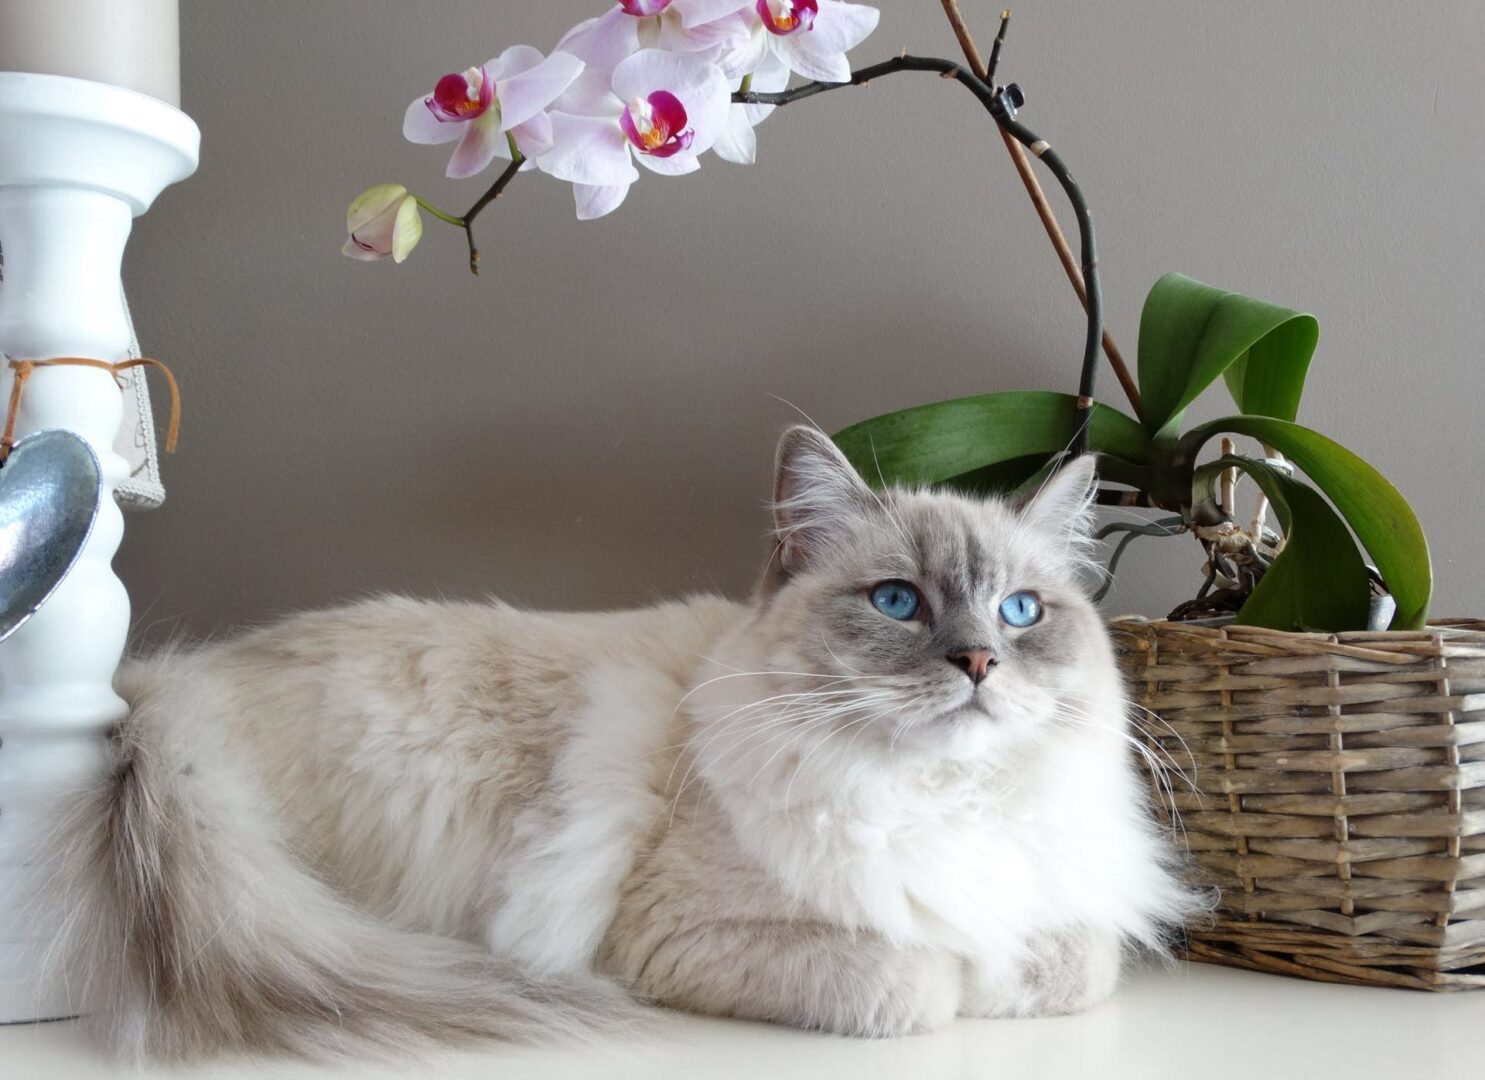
<point>591,421</point>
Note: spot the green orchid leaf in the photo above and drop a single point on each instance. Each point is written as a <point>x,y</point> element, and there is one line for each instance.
<point>1192,333</point>
<point>1110,470</point>
<point>1374,509</point>
<point>1024,475</point>
<point>1000,478</point>
<point>976,442</point>
<point>1319,581</point>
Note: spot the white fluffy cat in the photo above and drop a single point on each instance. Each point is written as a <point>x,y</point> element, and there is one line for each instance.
<point>892,789</point>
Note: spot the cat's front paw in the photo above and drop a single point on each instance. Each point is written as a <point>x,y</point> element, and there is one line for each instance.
<point>918,992</point>
<point>1067,971</point>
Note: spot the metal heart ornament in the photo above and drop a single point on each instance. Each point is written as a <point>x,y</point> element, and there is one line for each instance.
<point>50,487</point>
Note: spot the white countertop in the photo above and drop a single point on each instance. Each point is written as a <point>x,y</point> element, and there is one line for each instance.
<point>1194,1022</point>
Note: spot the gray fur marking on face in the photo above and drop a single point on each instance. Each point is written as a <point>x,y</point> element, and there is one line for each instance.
<point>838,539</point>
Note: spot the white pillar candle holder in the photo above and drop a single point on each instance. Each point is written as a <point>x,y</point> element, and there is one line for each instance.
<point>79,160</point>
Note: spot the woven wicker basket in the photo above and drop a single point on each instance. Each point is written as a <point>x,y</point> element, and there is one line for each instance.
<point>1339,800</point>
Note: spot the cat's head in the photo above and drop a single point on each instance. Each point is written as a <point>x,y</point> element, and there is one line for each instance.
<point>926,622</point>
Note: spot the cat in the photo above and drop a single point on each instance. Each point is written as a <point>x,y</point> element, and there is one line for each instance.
<point>891,789</point>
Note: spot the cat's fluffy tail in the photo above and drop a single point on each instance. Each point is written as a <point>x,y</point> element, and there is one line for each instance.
<point>195,932</point>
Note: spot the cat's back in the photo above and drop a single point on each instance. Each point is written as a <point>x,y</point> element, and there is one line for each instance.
<point>389,649</point>
<point>383,731</point>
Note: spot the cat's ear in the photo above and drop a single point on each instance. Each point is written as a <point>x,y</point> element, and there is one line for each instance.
<point>1064,503</point>
<point>816,492</point>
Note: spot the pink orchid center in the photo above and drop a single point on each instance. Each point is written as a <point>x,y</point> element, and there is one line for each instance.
<point>784,17</point>
<point>657,125</point>
<point>461,96</point>
<point>642,8</point>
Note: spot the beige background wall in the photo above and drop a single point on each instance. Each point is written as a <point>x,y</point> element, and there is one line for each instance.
<point>591,421</point>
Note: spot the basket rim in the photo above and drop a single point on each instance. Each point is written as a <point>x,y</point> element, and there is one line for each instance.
<point>1381,646</point>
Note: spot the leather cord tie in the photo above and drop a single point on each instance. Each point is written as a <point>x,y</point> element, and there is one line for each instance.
<point>24,368</point>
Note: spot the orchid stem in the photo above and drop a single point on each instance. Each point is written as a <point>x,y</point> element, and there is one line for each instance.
<point>441,215</point>
<point>994,62</point>
<point>1001,104</point>
<point>986,73</point>
<point>491,194</point>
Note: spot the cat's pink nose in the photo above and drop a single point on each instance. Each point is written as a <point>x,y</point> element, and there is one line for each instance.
<point>976,663</point>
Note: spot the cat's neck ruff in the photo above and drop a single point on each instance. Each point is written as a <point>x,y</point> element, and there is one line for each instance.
<point>867,835</point>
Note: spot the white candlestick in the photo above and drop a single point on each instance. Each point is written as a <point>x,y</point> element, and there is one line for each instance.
<point>129,43</point>
<point>80,161</point>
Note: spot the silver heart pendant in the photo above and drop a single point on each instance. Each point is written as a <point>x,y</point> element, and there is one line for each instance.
<point>50,487</point>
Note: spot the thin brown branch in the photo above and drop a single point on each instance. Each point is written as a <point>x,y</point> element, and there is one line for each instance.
<point>966,40</point>
<point>1039,199</point>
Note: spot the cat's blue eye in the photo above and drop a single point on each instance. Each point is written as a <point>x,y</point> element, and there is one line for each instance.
<point>896,600</point>
<point>1021,609</point>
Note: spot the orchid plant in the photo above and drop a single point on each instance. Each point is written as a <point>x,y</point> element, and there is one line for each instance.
<point>656,85</point>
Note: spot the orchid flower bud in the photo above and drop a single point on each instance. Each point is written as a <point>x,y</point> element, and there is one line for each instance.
<point>383,222</point>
